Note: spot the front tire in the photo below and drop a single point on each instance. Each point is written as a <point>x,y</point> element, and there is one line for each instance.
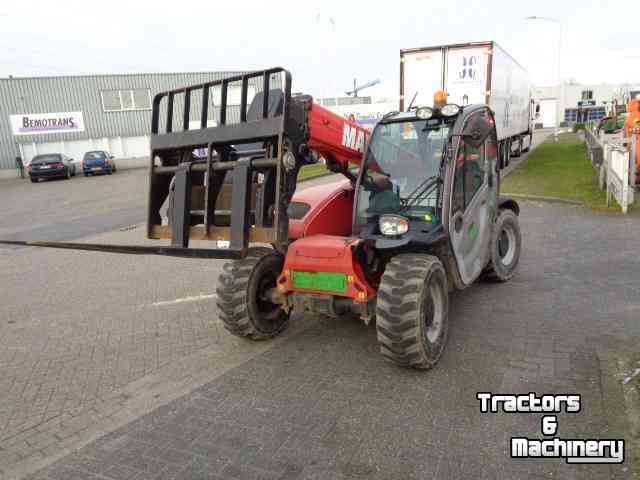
<point>505,246</point>
<point>412,320</point>
<point>243,286</point>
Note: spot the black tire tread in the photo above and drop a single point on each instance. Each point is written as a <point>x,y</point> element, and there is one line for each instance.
<point>231,295</point>
<point>398,309</point>
<point>490,273</point>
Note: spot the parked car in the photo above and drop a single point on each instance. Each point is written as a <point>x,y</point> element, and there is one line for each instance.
<point>98,161</point>
<point>51,165</point>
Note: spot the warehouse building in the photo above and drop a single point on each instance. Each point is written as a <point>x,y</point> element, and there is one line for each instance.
<point>75,114</point>
<point>367,111</point>
<point>575,102</point>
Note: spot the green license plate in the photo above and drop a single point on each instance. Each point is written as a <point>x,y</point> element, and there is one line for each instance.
<point>325,281</point>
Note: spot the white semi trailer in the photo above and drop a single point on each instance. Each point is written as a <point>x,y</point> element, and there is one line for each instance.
<point>470,73</point>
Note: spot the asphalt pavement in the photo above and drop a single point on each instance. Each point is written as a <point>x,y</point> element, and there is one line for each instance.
<point>59,210</point>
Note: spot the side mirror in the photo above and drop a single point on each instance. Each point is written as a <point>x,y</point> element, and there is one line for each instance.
<point>112,157</point>
<point>477,130</point>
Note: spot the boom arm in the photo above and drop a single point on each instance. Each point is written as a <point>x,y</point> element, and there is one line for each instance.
<point>339,140</point>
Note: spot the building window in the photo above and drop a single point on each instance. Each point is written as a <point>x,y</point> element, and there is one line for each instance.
<point>142,98</point>
<point>111,101</point>
<point>570,115</point>
<point>354,100</point>
<point>587,95</point>
<point>126,100</point>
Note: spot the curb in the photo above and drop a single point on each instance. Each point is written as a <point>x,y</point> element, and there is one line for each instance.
<point>543,199</point>
<point>515,164</point>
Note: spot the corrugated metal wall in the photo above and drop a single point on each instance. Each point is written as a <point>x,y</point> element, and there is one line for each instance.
<point>83,93</point>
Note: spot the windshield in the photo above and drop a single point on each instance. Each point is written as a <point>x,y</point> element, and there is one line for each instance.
<point>401,169</point>
<point>45,159</point>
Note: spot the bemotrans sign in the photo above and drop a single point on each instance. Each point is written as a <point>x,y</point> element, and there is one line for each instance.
<point>39,123</point>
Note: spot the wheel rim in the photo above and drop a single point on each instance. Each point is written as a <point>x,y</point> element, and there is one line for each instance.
<point>268,310</point>
<point>434,313</point>
<point>507,245</point>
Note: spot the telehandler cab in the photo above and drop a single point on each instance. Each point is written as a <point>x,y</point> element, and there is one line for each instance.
<point>417,215</point>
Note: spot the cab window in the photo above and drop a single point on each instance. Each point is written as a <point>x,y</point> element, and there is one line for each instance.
<point>472,165</point>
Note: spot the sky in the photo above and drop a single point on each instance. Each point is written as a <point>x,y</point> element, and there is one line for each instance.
<point>325,44</point>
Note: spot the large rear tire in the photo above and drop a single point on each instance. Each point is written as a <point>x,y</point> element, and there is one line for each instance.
<point>412,319</point>
<point>243,300</point>
<point>505,246</point>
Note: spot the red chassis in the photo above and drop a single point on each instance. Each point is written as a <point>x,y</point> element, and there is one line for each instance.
<point>322,239</point>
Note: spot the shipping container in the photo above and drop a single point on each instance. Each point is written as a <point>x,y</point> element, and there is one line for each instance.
<point>471,73</point>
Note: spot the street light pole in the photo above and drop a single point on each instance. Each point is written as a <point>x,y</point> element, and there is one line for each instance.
<point>549,19</point>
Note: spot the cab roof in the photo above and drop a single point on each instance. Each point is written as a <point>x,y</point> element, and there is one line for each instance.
<point>410,116</point>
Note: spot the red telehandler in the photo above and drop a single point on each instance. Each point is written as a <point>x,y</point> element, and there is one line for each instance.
<point>417,214</point>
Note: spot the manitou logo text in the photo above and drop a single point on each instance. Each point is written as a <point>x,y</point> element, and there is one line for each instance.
<point>353,138</point>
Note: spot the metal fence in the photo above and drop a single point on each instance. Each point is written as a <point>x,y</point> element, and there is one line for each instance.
<point>614,160</point>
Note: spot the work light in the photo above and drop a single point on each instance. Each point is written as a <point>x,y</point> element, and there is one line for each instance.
<point>450,109</point>
<point>393,225</point>
<point>424,113</point>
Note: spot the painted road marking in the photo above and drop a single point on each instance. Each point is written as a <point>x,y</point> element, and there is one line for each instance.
<point>197,298</point>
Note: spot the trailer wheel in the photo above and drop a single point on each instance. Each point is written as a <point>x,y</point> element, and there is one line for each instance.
<point>505,153</point>
<point>412,310</point>
<point>504,249</point>
<point>243,295</point>
<point>518,144</point>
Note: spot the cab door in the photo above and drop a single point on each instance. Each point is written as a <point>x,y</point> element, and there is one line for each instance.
<point>474,195</point>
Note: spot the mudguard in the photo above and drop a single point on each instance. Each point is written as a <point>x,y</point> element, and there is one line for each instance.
<point>508,203</point>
